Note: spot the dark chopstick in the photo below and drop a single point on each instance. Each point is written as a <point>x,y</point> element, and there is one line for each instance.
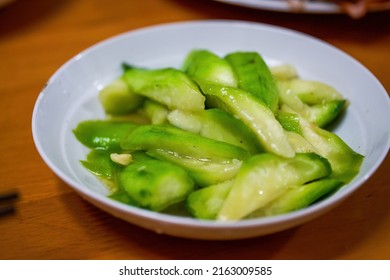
<point>7,201</point>
<point>10,195</point>
<point>6,209</point>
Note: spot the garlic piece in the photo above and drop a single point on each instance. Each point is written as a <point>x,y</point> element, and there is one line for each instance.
<point>122,159</point>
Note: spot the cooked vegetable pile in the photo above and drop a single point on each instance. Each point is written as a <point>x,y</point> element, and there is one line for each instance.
<point>225,138</point>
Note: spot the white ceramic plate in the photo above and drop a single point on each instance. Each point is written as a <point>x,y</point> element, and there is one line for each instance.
<point>70,96</point>
<point>308,7</point>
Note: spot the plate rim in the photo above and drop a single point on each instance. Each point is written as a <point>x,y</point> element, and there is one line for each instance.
<point>308,8</point>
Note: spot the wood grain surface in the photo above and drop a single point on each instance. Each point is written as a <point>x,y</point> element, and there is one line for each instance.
<point>52,222</point>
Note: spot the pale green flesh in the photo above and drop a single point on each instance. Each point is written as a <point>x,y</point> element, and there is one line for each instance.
<point>253,114</point>
<point>168,86</point>
<point>264,177</point>
<point>203,64</point>
<point>209,142</point>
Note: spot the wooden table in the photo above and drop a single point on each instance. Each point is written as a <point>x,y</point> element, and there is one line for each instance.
<point>52,222</point>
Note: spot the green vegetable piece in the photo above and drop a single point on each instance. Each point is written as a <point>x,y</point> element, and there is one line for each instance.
<point>156,112</point>
<point>121,196</point>
<point>255,77</point>
<point>345,162</point>
<point>254,114</point>
<point>313,92</point>
<point>168,86</point>
<point>218,125</point>
<point>325,113</point>
<point>205,65</point>
<point>204,172</point>
<point>264,177</point>
<point>154,184</point>
<point>175,140</point>
<point>284,72</point>
<point>289,121</point>
<point>317,102</point>
<point>205,203</point>
<point>299,197</point>
<point>140,156</point>
<point>103,134</point>
<point>208,161</point>
<point>299,143</point>
<point>98,162</point>
<point>117,98</point>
